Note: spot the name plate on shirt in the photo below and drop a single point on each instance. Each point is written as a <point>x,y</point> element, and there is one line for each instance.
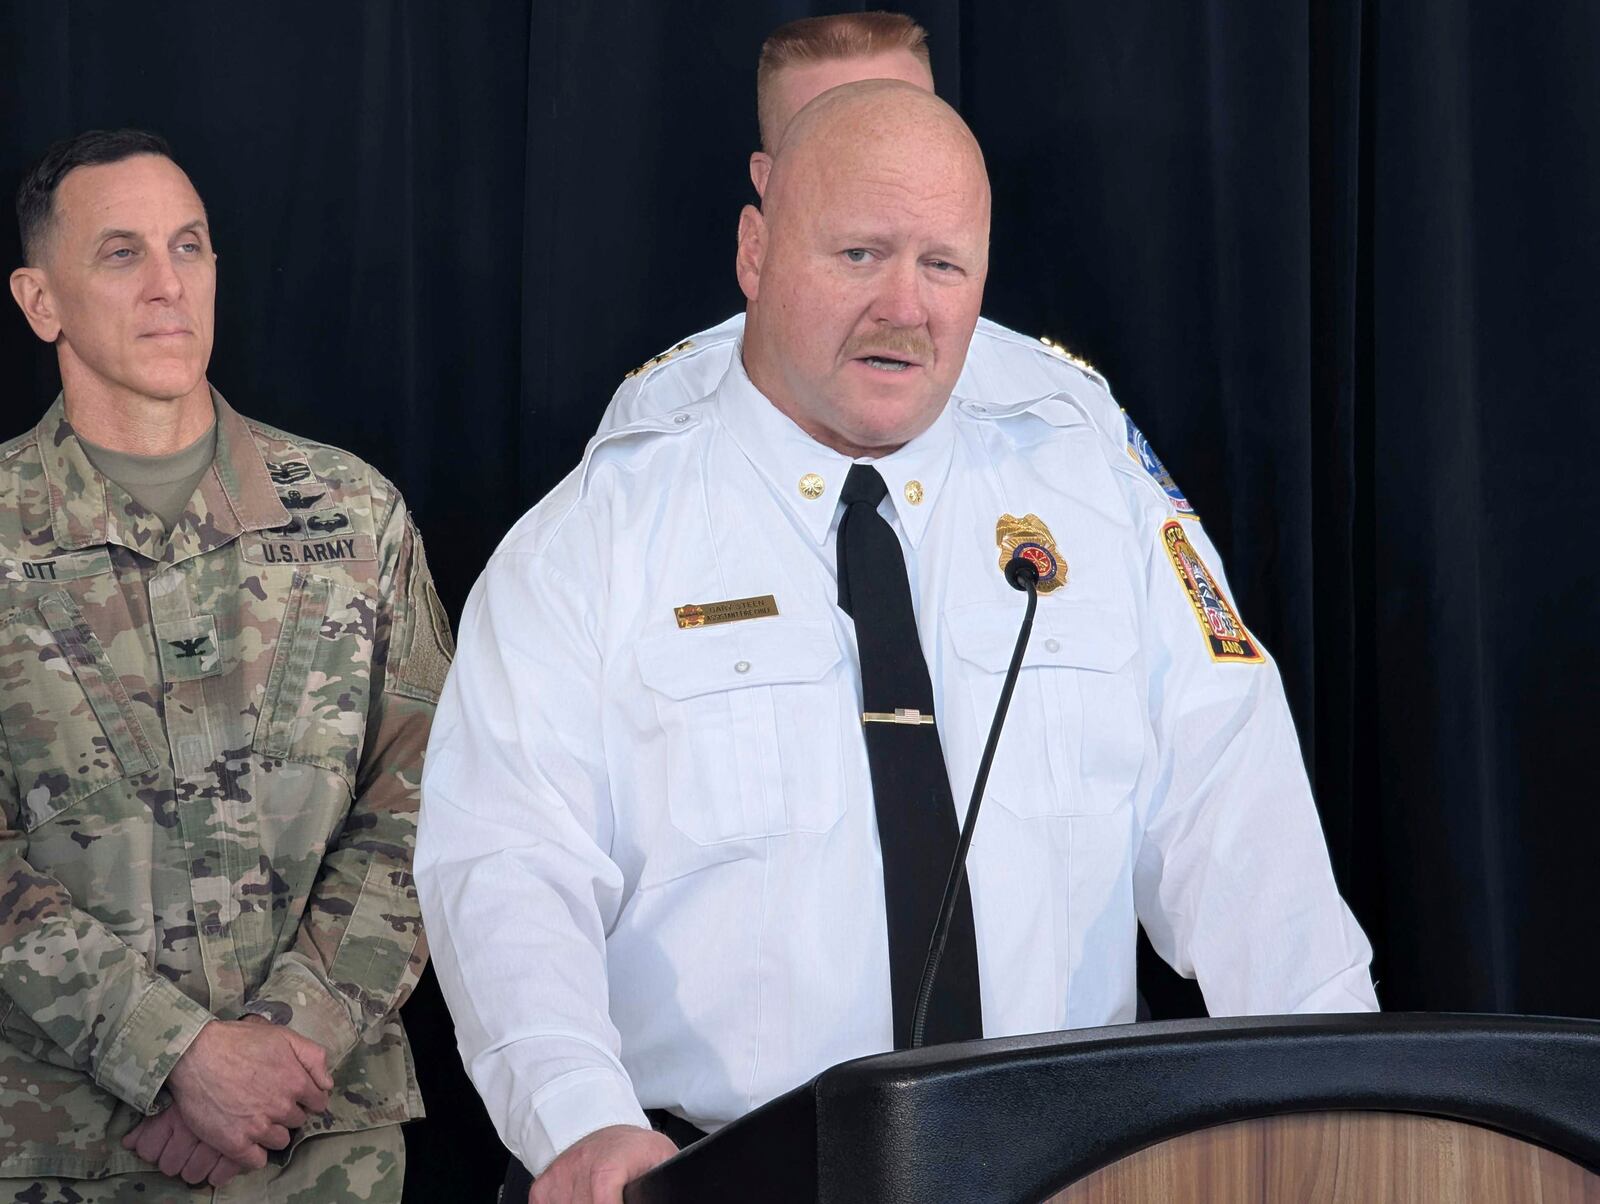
<point>68,566</point>
<point>707,614</point>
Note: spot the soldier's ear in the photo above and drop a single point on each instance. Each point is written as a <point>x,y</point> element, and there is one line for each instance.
<point>31,291</point>
<point>760,169</point>
<point>752,251</point>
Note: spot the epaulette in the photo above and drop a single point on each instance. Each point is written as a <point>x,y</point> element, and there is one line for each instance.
<point>1058,409</point>
<point>655,361</point>
<point>299,442</point>
<point>12,446</point>
<point>673,422</point>
<point>1058,350</point>
<point>1125,449</point>
<point>541,524</point>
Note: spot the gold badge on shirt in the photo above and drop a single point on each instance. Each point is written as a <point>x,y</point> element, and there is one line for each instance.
<point>706,614</point>
<point>1029,538</point>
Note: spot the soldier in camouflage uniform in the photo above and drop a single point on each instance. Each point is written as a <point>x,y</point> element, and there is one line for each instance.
<point>211,741</point>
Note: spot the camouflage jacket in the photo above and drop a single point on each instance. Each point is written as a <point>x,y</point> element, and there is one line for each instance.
<point>210,754</point>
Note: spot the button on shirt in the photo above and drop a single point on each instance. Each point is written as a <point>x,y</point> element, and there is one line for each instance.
<point>648,855</point>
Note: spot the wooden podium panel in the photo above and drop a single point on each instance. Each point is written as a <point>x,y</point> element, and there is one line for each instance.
<point>1339,1158</point>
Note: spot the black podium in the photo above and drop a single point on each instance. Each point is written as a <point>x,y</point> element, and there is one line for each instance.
<point>1015,1120</point>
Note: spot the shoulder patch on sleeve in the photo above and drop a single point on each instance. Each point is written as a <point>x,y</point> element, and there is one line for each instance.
<point>1145,456</point>
<point>1225,635</point>
<point>428,645</point>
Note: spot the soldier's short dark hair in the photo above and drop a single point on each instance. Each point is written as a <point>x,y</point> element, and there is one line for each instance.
<point>36,195</point>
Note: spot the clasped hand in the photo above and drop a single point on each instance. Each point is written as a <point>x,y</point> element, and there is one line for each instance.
<point>237,1092</point>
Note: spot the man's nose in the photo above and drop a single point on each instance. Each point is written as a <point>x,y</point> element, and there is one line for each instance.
<point>162,281</point>
<point>900,298</point>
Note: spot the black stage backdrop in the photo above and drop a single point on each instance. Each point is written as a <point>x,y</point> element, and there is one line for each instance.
<point>1339,259</point>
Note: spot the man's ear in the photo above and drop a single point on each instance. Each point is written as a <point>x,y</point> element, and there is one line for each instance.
<point>760,169</point>
<point>31,291</point>
<point>752,251</point>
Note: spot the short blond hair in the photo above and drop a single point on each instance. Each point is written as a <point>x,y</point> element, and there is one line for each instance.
<point>823,39</point>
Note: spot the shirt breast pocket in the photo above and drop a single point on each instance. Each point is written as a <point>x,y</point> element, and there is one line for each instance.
<point>1075,733</point>
<point>314,709</point>
<point>68,722</point>
<point>754,726</point>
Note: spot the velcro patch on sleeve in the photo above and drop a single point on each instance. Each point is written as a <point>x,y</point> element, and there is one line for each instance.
<point>1226,638</point>
<point>429,645</point>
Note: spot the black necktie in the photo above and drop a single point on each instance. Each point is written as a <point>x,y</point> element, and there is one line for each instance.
<point>910,787</point>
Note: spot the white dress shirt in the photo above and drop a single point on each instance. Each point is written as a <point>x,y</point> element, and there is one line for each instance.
<point>648,857</point>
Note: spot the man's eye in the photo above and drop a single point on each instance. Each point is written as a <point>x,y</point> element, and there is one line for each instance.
<point>192,248</point>
<point>942,265</point>
<point>121,253</point>
<point>857,254</point>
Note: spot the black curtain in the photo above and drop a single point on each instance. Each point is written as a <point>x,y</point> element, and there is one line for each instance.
<point>1338,259</point>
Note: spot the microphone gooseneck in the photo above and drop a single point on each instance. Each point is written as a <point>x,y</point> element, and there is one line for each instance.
<point>1021,574</point>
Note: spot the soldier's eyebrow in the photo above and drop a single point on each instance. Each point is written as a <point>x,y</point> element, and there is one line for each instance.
<point>197,224</point>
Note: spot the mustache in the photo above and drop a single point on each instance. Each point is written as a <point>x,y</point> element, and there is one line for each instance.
<point>898,343</point>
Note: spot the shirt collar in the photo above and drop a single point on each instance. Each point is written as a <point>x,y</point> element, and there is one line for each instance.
<point>240,472</point>
<point>808,475</point>
<point>237,495</point>
<point>86,509</point>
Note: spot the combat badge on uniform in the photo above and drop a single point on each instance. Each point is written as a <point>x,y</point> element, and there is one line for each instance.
<point>1030,539</point>
<point>1226,638</point>
<point>1139,448</point>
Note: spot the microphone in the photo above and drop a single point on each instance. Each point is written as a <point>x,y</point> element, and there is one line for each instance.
<point>1023,575</point>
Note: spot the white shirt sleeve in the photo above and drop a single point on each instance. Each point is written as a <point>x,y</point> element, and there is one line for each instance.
<point>1233,883</point>
<point>512,869</point>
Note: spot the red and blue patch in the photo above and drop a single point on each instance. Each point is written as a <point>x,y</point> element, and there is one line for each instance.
<point>1139,448</point>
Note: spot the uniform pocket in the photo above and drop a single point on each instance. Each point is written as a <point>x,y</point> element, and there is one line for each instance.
<point>67,719</point>
<point>754,725</point>
<point>315,707</point>
<point>1078,680</point>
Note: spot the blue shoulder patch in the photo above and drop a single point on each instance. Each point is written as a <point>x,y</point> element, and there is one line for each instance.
<point>1139,448</point>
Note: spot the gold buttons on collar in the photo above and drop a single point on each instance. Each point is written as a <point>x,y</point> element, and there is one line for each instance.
<point>812,486</point>
<point>914,492</point>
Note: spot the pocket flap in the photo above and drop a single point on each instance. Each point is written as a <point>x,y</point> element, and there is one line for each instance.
<point>1069,635</point>
<point>762,652</point>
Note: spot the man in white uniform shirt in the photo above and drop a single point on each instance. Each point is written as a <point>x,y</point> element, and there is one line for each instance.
<point>654,849</point>
<point>799,62</point>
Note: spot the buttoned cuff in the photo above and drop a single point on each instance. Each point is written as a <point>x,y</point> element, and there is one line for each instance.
<point>297,999</point>
<point>158,1031</point>
<point>571,1107</point>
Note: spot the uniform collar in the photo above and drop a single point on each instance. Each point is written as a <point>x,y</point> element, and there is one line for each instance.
<point>796,466</point>
<point>86,509</point>
<point>237,495</point>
